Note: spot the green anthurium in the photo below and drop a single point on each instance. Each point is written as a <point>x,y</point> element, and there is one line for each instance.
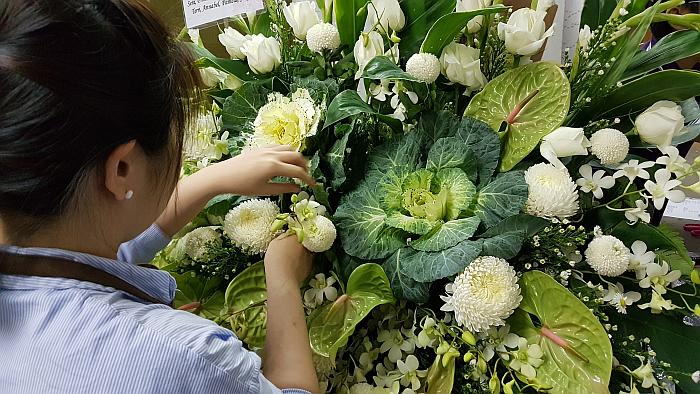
<point>245,299</point>
<point>198,295</point>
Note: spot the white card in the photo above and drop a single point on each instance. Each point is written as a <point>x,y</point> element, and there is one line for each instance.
<point>688,209</point>
<point>202,12</point>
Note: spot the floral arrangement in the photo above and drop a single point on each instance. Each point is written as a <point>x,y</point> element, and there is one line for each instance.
<point>483,221</point>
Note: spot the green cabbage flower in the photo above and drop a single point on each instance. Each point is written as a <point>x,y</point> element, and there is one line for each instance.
<point>424,197</point>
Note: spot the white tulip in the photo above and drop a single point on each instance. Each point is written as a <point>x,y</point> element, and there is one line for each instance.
<point>477,22</point>
<point>525,33</point>
<point>564,142</point>
<point>386,13</point>
<point>461,64</point>
<point>660,123</point>
<point>367,47</point>
<point>232,40</point>
<point>263,53</point>
<point>301,16</point>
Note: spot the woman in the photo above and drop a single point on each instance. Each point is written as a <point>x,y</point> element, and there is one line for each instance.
<point>94,97</point>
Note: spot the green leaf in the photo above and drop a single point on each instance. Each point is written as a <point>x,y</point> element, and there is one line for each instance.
<point>587,368</point>
<point>690,109</point>
<point>596,12</point>
<point>505,245</point>
<point>671,48</point>
<point>420,15</point>
<point>349,23</point>
<point>331,326</point>
<point>505,196</point>
<point>408,223</point>
<point>404,286</point>
<point>360,220</point>
<point>431,266</point>
<point>484,143</point>
<point>673,342</point>
<point>449,152</point>
<point>540,116</point>
<point>246,296</point>
<point>530,225</point>
<point>348,104</point>
<point>205,292</point>
<point>447,235</point>
<point>640,94</point>
<point>381,67</point>
<point>662,237</point>
<point>460,191</point>
<point>404,151</point>
<point>445,29</point>
<point>241,108</point>
<point>441,378</point>
<point>336,157</point>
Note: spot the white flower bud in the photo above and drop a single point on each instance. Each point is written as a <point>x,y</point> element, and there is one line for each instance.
<point>477,22</point>
<point>232,40</point>
<point>525,33</point>
<point>263,53</point>
<point>461,64</point>
<point>660,123</point>
<point>386,13</point>
<point>368,46</point>
<point>301,16</point>
<point>564,142</point>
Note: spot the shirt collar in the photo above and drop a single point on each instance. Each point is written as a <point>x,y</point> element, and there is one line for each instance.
<point>156,283</point>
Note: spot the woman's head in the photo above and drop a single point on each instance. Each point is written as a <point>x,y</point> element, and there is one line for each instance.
<point>94,97</point>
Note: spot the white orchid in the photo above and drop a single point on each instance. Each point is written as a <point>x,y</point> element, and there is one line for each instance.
<point>410,375</point>
<point>393,342</point>
<point>658,277</point>
<point>496,340</point>
<point>526,358</point>
<point>321,288</point>
<point>673,161</point>
<point>594,183</point>
<point>663,188</point>
<point>640,259</point>
<point>658,304</point>
<point>645,373</point>
<point>633,169</point>
<point>381,91</point>
<point>633,215</point>
<point>617,297</point>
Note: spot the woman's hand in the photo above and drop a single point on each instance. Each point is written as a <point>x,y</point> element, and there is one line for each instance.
<point>286,260</point>
<point>249,173</point>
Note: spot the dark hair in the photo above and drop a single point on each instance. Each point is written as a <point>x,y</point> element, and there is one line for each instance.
<point>77,79</point>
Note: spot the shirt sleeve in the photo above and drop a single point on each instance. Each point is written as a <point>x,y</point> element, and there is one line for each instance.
<point>266,387</point>
<point>143,248</point>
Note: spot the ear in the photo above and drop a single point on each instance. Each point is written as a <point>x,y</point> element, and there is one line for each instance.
<point>118,167</point>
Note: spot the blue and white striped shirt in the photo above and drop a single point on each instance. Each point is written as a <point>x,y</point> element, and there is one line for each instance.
<point>67,336</point>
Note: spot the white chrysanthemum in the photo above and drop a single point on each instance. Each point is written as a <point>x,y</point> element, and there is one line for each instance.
<point>484,295</point>
<point>199,241</point>
<point>286,121</point>
<point>551,192</point>
<point>608,255</point>
<point>249,225</point>
<point>424,66</point>
<point>319,234</point>
<point>323,36</point>
<point>610,146</point>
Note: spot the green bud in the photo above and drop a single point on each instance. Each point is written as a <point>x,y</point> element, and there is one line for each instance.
<point>468,356</point>
<point>697,310</point>
<point>495,385</point>
<point>451,354</point>
<point>394,38</point>
<point>468,337</point>
<point>481,364</point>
<point>443,348</point>
<point>277,225</point>
<point>695,277</point>
<point>508,387</point>
<point>295,198</point>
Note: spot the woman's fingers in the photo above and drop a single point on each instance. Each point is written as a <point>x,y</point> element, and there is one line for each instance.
<point>294,158</point>
<point>273,189</point>
<point>279,148</point>
<point>292,171</point>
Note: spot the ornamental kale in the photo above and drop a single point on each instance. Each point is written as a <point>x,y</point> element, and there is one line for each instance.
<point>419,206</point>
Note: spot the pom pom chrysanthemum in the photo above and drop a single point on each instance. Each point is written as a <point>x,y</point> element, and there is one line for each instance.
<point>323,36</point>
<point>424,66</point>
<point>484,295</point>
<point>610,146</point>
<point>608,256</point>
<point>249,225</point>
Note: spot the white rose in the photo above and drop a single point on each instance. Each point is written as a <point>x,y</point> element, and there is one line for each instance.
<point>263,53</point>
<point>461,64</point>
<point>475,23</point>
<point>301,16</point>
<point>387,13</point>
<point>367,47</point>
<point>232,40</point>
<point>564,142</point>
<point>660,123</point>
<point>525,33</point>
<point>584,37</point>
<point>212,76</point>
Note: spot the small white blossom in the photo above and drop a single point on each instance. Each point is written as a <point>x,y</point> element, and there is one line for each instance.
<point>410,375</point>
<point>526,358</point>
<point>673,161</point>
<point>584,37</point>
<point>638,213</point>
<point>640,259</point>
<point>663,188</point>
<point>617,297</point>
<point>645,373</point>
<point>393,342</point>
<point>323,36</point>
<point>496,340</point>
<point>696,377</point>
<point>633,169</point>
<point>380,91</point>
<point>610,146</point>
<point>594,183</point>
<point>658,277</point>
<point>321,288</point>
<point>607,255</point>
<point>658,304</point>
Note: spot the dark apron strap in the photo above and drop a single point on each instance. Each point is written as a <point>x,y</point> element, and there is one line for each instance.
<point>53,267</point>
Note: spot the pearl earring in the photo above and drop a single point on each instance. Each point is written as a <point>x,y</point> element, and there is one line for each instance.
<point>129,195</point>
